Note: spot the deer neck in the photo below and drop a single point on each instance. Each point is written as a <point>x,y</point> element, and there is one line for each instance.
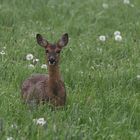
<point>54,77</point>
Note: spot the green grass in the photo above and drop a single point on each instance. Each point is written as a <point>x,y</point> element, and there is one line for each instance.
<point>102,87</point>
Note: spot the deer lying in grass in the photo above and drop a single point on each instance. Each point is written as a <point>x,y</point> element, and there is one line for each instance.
<point>47,88</point>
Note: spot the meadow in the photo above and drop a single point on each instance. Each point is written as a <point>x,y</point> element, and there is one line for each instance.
<point>102,75</point>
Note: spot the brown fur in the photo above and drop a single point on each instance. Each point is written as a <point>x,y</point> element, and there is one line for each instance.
<point>45,88</point>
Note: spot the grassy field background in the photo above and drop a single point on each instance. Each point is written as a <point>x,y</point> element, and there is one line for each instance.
<point>102,78</point>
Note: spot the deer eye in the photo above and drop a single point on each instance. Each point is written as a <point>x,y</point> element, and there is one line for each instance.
<point>58,51</point>
<point>47,51</point>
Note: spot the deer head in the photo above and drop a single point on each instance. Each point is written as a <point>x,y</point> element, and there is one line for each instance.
<point>52,50</point>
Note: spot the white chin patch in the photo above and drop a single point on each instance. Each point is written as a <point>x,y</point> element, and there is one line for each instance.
<point>51,63</point>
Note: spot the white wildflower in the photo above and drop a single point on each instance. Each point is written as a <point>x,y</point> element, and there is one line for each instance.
<point>138,77</point>
<point>43,66</point>
<point>40,121</point>
<point>118,38</point>
<point>31,66</point>
<point>29,56</point>
<point>14,126</point>
<point>132,5</point>
<point>102,38</point>
<point>10,138</point>
<point>105,5</point>
<point>117,33</point>
<point>126,1</point>
<point>2,52</point>
<point>35,61</point>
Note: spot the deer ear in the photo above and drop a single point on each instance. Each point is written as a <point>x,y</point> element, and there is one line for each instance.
<point>64,40</point>
<point>41,41</point>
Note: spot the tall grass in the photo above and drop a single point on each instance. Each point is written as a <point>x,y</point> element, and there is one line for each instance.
<point>102,78</point>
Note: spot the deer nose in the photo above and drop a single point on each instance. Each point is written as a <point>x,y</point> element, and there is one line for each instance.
<point>51,60</point>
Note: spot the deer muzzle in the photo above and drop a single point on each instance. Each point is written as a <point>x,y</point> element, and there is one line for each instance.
<point>52,61</point>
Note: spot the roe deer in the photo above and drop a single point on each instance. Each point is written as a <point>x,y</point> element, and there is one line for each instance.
<point>47,88</point>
